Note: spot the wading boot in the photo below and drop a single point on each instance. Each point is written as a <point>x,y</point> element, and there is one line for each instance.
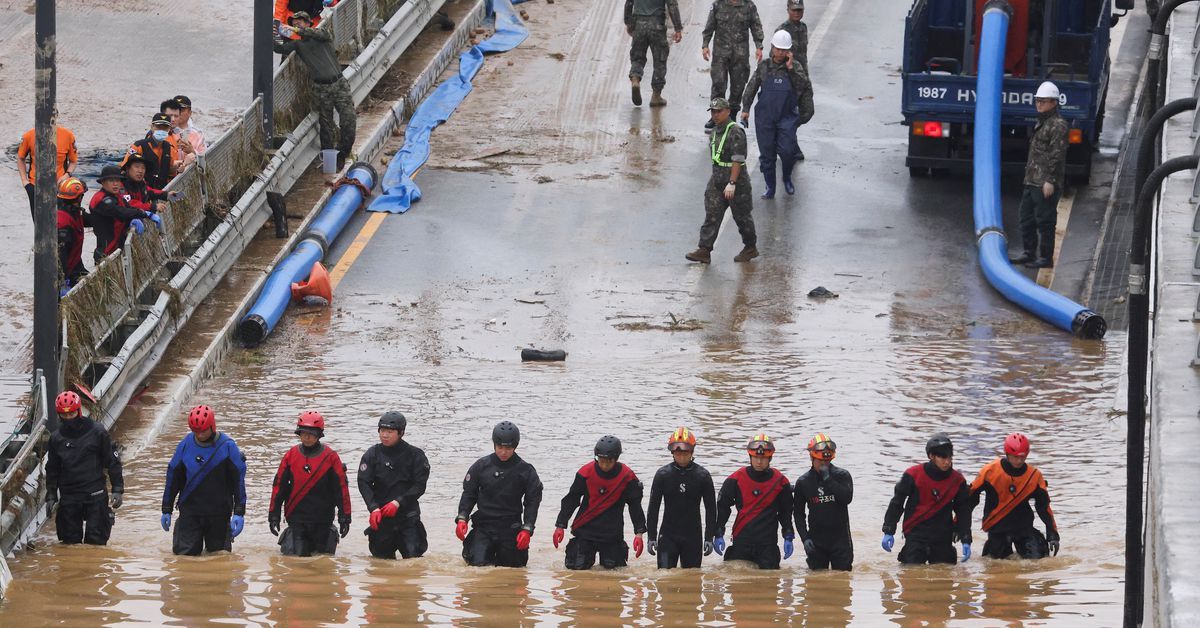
<point>656,99</point>
<point>702,255</point>
<point>1024,258</point>
<point>636,90</point>
<point>748,253</point>
<point>769,180</point>
<point>1045,251</point>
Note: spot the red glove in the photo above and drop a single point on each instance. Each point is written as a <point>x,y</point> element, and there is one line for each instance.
<point>375,518</point>
<point>638,546</point>
<point>558,536</point>
<point>460,530</point>
<point>523,540</point>
<point>389,509</point>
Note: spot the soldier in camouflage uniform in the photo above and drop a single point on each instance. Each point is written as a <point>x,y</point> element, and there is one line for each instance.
<point>729,186</point>
<point>645,20</point>
<point>728,23</point>
<point>796,27</point>
<point>1043,181</point>
<point>784,103</point>
<point>332,91</point>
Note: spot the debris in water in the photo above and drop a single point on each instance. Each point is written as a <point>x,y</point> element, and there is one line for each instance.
<point>541,178</point>
<point>540,355</point>
<point>529,301</point>
<point>558,56</point>
<point>821,293</point>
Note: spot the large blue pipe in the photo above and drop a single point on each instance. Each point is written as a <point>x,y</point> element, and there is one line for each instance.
<point>989,226</point>
<point>321,233</point>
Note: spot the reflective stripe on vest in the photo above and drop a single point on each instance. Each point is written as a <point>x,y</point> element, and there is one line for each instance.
<point>716,148</point>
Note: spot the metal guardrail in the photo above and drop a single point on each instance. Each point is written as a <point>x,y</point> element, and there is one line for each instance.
<point>22,481</point>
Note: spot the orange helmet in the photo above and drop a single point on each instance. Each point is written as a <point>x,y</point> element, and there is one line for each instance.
<point>682,439</point>
<point>67,402</point>
<point>821,447</point>
<point>761,445</point>
<point>71,189</point>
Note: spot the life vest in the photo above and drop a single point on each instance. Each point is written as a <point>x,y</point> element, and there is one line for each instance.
<point>932,495</point>
<point>306,473</point>
<point>603,492</point>
<point>70,218</point>
<point>1010,491</point>
<point>756,496</point>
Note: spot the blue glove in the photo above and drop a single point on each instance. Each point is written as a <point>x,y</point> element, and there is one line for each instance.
<point>235,525</point>
<point>719,545</point>
<point>888,542</point>
<point>166,522</point>
<point>788,546</point>
<point>66,287</point>
<point>137,225</point>
<point>157,220</point>
<point>327,3</point>
<point>966,551</point>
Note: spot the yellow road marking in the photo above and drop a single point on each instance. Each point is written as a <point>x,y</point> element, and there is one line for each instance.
<point>356,248</point>
<point>1045,276</point>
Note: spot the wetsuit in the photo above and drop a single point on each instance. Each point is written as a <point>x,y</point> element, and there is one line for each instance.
<point>826,496</point>
<point>506,496</point>
<point>395,473</point>
<point>141,195</point>
<point>209,479</point>
<point>764,503</point>
<point>1007,517</point>
<point>682,488</point>
<point>600,525</point>
<point>111,214</point>
<point>71,222</point>
<point>937,511</point>
<point>80,452</point>
<point>310,483</point>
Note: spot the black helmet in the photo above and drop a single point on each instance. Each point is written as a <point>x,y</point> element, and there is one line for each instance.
<point>609,447</point>
<point>393,420</point>
<point>940,444</point>
<point>506,434</point>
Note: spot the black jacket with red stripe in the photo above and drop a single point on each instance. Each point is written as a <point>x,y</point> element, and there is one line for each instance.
<point>601,507</point>
<point>111,215</point>
<point>309,484</point>
<point>915,494</point>
<point>71,221</point>
<point>759,519</point>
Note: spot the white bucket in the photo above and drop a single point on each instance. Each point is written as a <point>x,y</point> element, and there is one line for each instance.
<point>329,161</point>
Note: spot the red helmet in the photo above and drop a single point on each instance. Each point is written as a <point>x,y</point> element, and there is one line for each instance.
<point>202,418</point>
<point>67,402</point>
<point>312,420</point>
<point>1016,444</point>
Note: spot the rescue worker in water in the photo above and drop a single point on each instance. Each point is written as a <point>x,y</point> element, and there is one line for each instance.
<point>601,491</point>
<point>310,483</point>
<point>208,476</point>
<point>826,491</point>
<point>505,493</point>
<point>79,454</point>
<point>1009,484</point>
<point>680,486</point>
<point>936,504</point>
<point>763,497</point>
<point>391,478</point>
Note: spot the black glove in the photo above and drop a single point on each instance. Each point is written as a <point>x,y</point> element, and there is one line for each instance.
<point>344,525</point>
<point>273,522</point>
<point>825,473</point>
<point>51,503</point>
<point>117,500</point>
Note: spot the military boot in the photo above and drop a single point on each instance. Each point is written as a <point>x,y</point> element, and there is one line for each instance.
<point>748,253</point>
<point>701,254</point>
<point>656,99</point>
<point>1045,252</point>
<point>636,90</point>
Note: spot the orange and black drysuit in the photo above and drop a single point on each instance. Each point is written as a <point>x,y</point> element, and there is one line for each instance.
<point>160,161</point>
<point>310,483</point>
<point>1007,517</point>
<point>141,194</point>
<point>111,215</point>
<point>764,503</point>
<point>71,221</point>
<point>600,525</point>
<point>936,506</point>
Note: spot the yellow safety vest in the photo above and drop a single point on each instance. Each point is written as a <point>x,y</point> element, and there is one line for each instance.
<point>716,148</point>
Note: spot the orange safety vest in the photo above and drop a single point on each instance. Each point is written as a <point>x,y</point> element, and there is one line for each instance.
<point>1010,491</point>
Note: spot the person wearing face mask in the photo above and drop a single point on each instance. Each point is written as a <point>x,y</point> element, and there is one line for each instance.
<point>763,497</point>
<point>79,454</point>
<point>505,492</point>
<point>680,486</point>
<point>113,216</point>
<point>161,160</point>
<point>391,478</point>
<point>936,504</point>
<point>207,479</point>
<point>601,491</point>
<point>310,483</point>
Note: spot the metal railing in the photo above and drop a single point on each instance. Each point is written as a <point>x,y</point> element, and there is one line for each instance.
<point>22,481</point>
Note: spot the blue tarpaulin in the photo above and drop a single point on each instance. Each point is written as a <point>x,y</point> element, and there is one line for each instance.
<point>399,191</point>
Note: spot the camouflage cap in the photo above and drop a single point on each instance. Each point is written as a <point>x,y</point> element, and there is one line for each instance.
<point>795,4</point>
<point>300,15</point>
<point>718,103</point>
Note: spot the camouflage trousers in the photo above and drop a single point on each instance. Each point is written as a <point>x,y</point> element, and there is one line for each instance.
<point>649,32</point>
<point>330,98</point>
<point>715,204</point>
<point>732,71</point>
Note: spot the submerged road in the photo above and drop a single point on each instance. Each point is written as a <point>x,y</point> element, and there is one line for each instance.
<point>556,215</point>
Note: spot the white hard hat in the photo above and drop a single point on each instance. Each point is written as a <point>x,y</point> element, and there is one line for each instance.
<point>1047,90</point>
<point>781,40</point>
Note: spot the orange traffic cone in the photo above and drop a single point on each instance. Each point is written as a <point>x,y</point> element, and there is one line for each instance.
<point>316,286</point>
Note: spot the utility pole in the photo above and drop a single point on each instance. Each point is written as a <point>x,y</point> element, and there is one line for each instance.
<point>45,246</point>
<point>263,74</point>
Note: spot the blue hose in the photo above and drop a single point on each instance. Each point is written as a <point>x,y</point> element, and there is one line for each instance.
<point>322,232</point>
<point>989,227</point>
